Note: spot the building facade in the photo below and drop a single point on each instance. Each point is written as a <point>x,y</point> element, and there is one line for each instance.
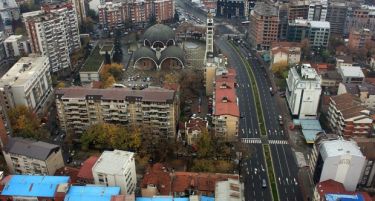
<point>16,46</point>
<point>317,10</point>
<point>303,91</point>
<point>264,25</point>
<point>226,114</point>
<point>25,156</point>
<point>155,109</point>
<point>359,38</point>
<point>359,17</point>
<point>365,91</point>
<point>339,160</point>
<point>194,128</point>
<point>317,32</point>
<point>231,8</point>
<point>28,83</point>
<point>285,52</point>
<point>336,16</point>
<point>9,11</point>
<point>53,32</point>
<point>351,75</point>
<point>117,14</point>
<point>116,168</point>
<point>348,117</point>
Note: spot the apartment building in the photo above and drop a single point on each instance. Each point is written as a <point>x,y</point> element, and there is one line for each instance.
<point>348,117</point>
<point>365,91</point>
<point>303,91</point>
<point>53,32</point>
<point>351,74</point>
<point>16,46</point>
<point>116,168</point>
<point>336,15</point>
<point>116,14</point>
<point>359,17</point>
<point>317,10</point>
<point>367,146</point>
<point>338,160</point>
<point>298,9</point>
<point>80,7</point>
<point>25,156</point>
<point>3,54</point>
<point>264,24</point>
<point>231,9</point>
<point>154,109</point>
<point>28,83</point>
<point>226,112</point>
<point>9,11</point>
<point>317,32</point>
<point>359,38</point>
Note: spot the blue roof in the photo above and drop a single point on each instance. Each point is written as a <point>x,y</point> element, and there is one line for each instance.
<point>342,197</point>
<point>161,198</point>
<point>91,193</point>
<point>205,198</point>
<point>310,128</point>
<point>33,186</point>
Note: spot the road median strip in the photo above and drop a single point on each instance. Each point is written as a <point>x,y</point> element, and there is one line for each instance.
<point>262,126</point>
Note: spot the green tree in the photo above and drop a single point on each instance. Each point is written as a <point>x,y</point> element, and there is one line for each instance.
<point>25,123</point>
<point>176,16</point>
<point>152,20</point>
<point>92,14</point>
<point>117,51</point>
<point>107,58</point>
<point>205,145</point>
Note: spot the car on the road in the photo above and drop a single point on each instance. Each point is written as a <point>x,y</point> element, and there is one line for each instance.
<point>264,183</point>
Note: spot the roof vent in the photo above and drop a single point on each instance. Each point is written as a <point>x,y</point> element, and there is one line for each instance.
<point>225,99</point>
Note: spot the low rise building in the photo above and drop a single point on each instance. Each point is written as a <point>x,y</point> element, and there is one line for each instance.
<point>116,168</point>
<point>330,78</point>
<point>303,91</point>
<point>24,156</point>
<point>348,117</point>
<point>31,187</point>
<point>351,75</point>
<point>359,38</point>
<point>337,159</point>
<point>231,189</point>
<point>85,172</point>
<point>331,190</point>
<point>286,52</point>
<point>345,61</point>
<point>214,67</point>
<point>365,91</point>
<point>153,108</point>
<point>194,128</point>
<point>16,46</point>
<point>91,68</point>
<point>226,111</point>
<point>28,83</point>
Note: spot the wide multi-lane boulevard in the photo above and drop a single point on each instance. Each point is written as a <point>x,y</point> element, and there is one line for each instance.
<point>283,160</point>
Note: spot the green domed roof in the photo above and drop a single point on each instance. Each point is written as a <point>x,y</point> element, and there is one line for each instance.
<point>173,51</point>
<point>144,52</point>
<point>159,32</point>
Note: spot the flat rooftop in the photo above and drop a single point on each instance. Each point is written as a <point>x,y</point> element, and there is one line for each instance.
<point>91,193</point>
<point>319,24</point>
<point>33,186</point>
<point>26,68</point>
<point>352,71</point>
<point>339,147</point>
<point>14,38</point>
<point>93,62</point>
<point>112,162</point>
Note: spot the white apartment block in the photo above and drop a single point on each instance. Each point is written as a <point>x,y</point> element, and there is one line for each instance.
<point>339,160</point>
<point>28,83</point>
<point>25,156</point>
<point>353,75</point>
<point>303,91</point>
<point>319,34</point>
<point>16,45</point>
<point>116,168</point>
<point>317,10</point>
<point>154,109</point>
<point>53,32</point>
<point>80,8</point>
<point>9,11</point>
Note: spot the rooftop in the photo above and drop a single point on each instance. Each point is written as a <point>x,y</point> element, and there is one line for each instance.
<point>91,193</point>
<point>148,94</point>
<point>339,147</point>
<point>30,148</point>
<point>195,123</point>
<point>352,72</point>
<point>355,89</point>
<point>85,172</point>
<point>26,68</point>
<point>13,38</point>
<point>333,191</point>
<point>33,186</point>
<point>113,162</point>
<point>225,95</point>
<point>319,24</point>
<point>93,62</point>
<point>265,9</point>
<point>161,198</point>
<point>367,146</point>
<point>349,105</point>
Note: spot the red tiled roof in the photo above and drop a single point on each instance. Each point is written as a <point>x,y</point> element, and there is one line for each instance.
<point>158,175</point>
<point>86,170</point>
<point>196,124</point>
<point>68,171</point>
<point>225,94</point>
<point>172,86</point>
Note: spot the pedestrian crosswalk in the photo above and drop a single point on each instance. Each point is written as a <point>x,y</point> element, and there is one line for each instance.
<point>277,142</point>
<point>251,140</point>
<point>259,141</point>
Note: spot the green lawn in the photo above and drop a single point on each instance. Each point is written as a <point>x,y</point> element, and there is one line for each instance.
<point>93,62</point>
